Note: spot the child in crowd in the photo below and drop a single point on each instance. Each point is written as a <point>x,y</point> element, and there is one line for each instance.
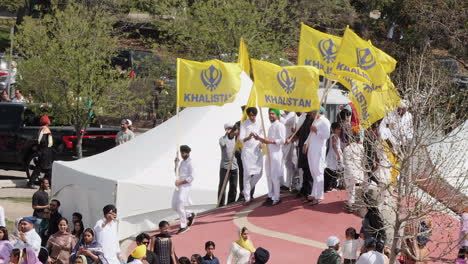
<point>351,246</point>
<point>138,254</point>
<point>334,158</point>
<point>353,168</point>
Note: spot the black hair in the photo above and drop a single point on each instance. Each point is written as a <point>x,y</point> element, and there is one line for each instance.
<point>344,113</point>
<point>184,260</point>
<point>370,243</point>
<point>462,252</point>
<point>198,258</point>
<point>141,237</point>
<point>243,229</point>
<point>243,108</point>
<point>108,208</point>
<point>41,181</point>
<point>78,215</point>
<point>62,219</point>
<point>185,148</point>
<point>163,223</point>
<point>57,201</point>
<point>351,232</point>
<point>209,244</point>
<point>379,246</point>
<point>80,232</point>
<point>335,125</point>
<point>5,232</point>
<point>89,230</point>
<point>16,252</point>
<point>252,110</point>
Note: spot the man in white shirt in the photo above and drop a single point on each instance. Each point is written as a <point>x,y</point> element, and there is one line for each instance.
<point>28,236</point>
<point>397,126</point>
<point>18,97</point>
<point>371,256</point>
<point>106,234</point>
<point>275,168</point>
<point>316,148</point>
<point>228,163</point>
<point>181,197</point>
<point>289,151</point>
<point>252,157</point>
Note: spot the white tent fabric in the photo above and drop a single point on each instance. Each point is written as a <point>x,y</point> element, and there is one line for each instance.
<point>449,157</point>
<point>138,176</point>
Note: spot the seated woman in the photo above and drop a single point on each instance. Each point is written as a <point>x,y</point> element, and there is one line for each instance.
<point>90,248</point>
<point>60,244</point>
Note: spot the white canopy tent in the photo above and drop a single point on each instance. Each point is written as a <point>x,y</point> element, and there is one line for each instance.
<point>138,176</point>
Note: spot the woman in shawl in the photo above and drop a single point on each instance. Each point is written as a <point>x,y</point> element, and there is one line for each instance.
<point>162,245</point>
<point>45,143</point>
<point>90,248</point>
<point>60,244</point>
<point>242,249</point>
<point>5,246</point>
<point>29,256</point>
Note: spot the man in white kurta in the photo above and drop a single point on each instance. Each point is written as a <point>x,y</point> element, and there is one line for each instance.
<point>106,234</point>
<point>316,153</point>
<point>28,236</point>
<point>181,197</point>
<point>289,150</point>
<point>399,124</point>
<point>252,157</point>
<point>275,164</point>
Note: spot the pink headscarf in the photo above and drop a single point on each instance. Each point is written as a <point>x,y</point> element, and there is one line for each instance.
<point>31,257</point>
<point>5,249</point>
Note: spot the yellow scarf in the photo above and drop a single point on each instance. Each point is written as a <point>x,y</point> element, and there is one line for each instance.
<point>247,244</point>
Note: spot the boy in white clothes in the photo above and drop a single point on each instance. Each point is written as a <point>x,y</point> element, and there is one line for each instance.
<point>181,197</point>
<point>354,171</point>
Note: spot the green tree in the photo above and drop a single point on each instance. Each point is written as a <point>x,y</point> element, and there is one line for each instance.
<point>212,28</point>
<point>66,63</point>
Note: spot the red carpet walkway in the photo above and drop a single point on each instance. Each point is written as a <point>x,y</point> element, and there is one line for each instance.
<point>292,231</point>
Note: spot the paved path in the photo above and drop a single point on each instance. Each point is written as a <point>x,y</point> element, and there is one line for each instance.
<point>293,232</point>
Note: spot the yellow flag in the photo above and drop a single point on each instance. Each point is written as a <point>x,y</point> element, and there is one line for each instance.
<point>388,62</point>
<point>318,49</point>
<point>358,60</point>
<point>206,83</point>
<point>243,58</point>
<point>290,88</point>
<point>372,102</point>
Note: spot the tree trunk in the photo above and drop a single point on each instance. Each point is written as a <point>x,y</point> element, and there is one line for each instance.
<point>79,143</point>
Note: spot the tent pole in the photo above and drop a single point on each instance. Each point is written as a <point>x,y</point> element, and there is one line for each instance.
<point>265,136</point>
<point>176,160</point>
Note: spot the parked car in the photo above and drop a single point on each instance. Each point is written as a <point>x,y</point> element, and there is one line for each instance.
<point>19,128</point>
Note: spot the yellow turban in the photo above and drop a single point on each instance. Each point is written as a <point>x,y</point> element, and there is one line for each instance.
<point>139,252</point>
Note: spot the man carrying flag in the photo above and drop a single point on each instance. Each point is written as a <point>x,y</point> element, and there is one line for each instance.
<point>252,157</point>
<point>275,142</point>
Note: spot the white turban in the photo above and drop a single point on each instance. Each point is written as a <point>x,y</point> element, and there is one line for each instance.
<point>332,241</point>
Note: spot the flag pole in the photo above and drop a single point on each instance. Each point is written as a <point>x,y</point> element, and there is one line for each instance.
<point>322,99</point>
<point>265,136</point>
<point>176,160</point>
